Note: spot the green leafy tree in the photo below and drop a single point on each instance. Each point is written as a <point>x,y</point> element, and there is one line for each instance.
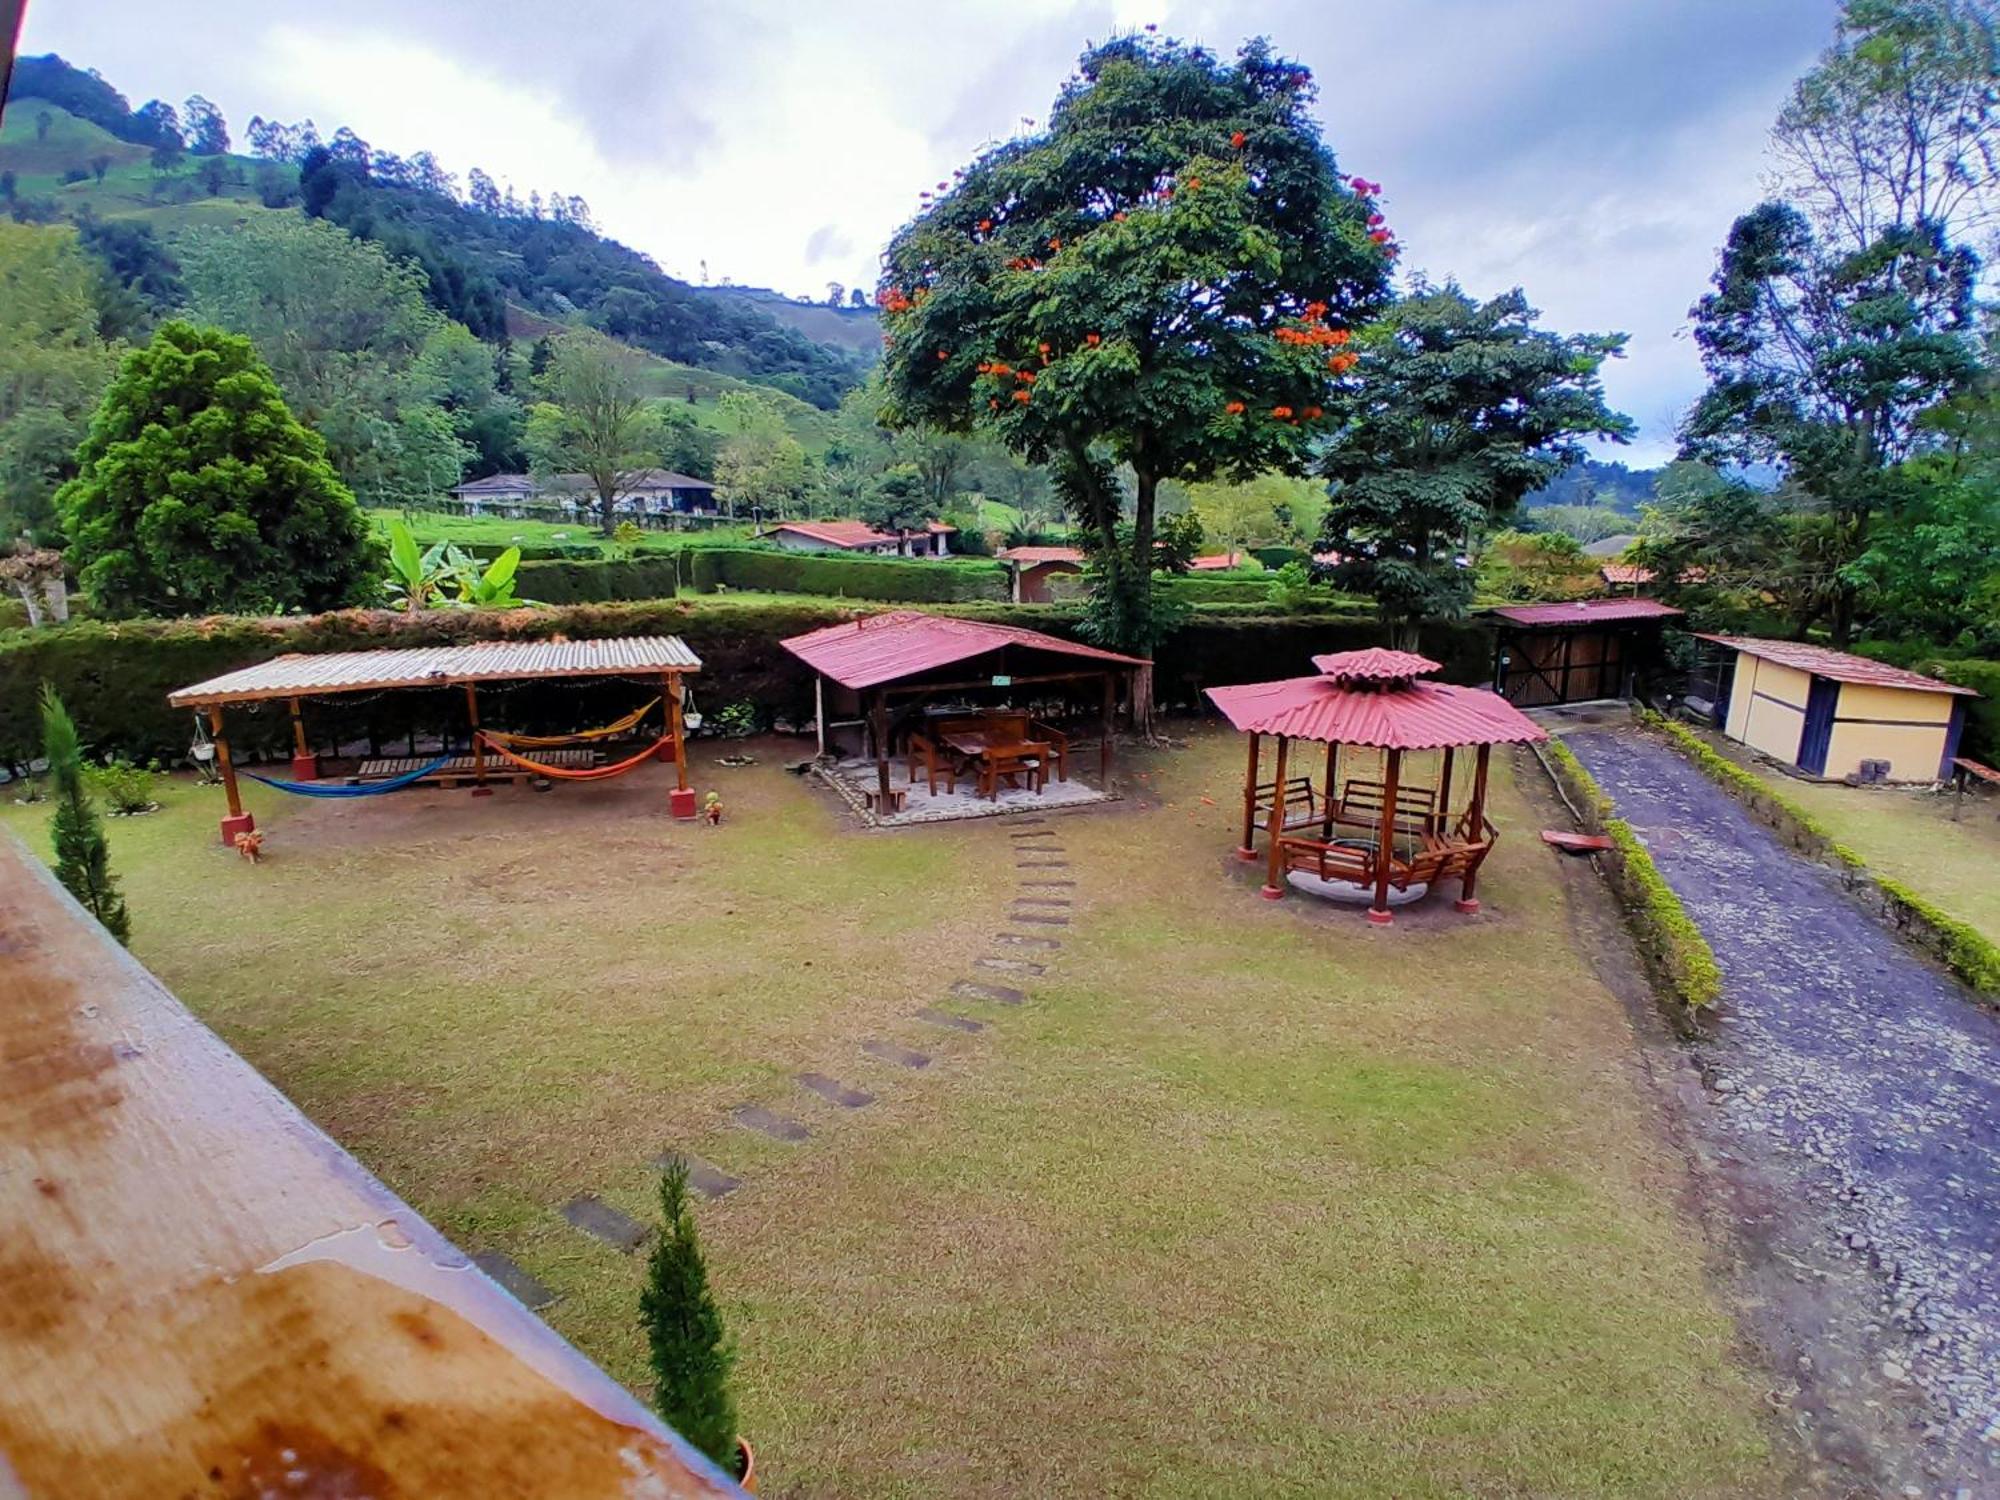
<point>594,418</point>
<point>1159,276</point>
<point>761,469</point>
<point>198,492</point>
<point>1461,408</point>
<point>691,1354</point>
<point>900,501</point>
<point>1825,360</point>
<point>1251,512</point>
<point>83,858</point>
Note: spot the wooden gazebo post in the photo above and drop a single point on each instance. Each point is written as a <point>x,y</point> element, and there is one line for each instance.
<point>1385,847</point>
<point>1329,791</point>
<point>305,765</point>
<point>1104,743</point>
<point>681,800</point>
<point>238,820</point>
<point>1274,870</point>
<point>1476,815</point>
<point>479,787</point>
<point>1444,795</point>
<point>1247,851</point>
<point>878,719</point>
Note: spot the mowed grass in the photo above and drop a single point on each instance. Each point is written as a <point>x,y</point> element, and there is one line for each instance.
<point>1908,834</point>
<point>1249,1199</point>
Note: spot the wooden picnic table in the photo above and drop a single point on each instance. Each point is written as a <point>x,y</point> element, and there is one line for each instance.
<point>986,748</point>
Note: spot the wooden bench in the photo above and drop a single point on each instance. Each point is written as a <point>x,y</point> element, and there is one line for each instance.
<point>1302,803</point>
<point>1360,806</point>
<point>1029,759</point>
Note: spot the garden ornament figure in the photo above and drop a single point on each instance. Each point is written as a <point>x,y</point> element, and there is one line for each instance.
<point>251,845</point>
<point>711,808</point>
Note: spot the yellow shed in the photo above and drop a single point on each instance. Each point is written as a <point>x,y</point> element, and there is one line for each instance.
<point>1839,716</point>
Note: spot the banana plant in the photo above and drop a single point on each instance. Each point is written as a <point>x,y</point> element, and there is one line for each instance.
<point>416,579</point>
<point>488,588</point>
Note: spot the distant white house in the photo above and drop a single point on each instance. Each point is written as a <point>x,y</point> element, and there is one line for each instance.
<point>652,492</point>
<point>859,536</point>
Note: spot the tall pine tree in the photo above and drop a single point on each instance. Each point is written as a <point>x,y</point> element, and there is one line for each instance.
<point>83,860</point>
<point>692,1356</point>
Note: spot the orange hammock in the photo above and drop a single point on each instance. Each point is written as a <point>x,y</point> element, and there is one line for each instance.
<point>594,773</point>
<point>550,741</point>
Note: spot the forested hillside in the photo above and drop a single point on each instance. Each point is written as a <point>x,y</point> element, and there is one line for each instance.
<point>74,149</point>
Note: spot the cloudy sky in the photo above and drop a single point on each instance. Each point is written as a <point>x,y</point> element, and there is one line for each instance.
<point>1590,151</point>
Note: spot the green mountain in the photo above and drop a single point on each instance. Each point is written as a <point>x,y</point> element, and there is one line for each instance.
<point>77,151</point>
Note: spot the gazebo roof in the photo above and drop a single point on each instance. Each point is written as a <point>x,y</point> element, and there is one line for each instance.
<point>1413,716</point>
<point>1375,664</point>
<point>903,643</point>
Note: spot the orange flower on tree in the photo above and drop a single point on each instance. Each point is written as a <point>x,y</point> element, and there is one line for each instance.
<point>1024,396</point>
<point>1234,408</point>
<point>1093,339</point>
<point>1313,413</point>
<point>1238,139</point>
<point>1282,413</point>
<point>984,225</point>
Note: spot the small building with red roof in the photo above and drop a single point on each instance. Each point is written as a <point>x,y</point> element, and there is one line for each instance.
<point>1578,651</point>
<point>1033,568</point>
<point>1830,713</point>
<point>860,537</point>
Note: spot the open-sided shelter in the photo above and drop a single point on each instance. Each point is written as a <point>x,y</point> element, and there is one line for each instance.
<point>881,671</point>
<point>1574,652</point>
<point>1833,714</point>
<point>294,678</point>
<point>1395,829</point>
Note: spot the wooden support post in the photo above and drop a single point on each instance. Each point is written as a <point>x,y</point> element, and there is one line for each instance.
<point>878,716</point>
<point>680,801</point>
<point>1274,832</point>
<point>1444,796</point>
<point>238,820</point>
<point>479,787</point>
<point>1475,816</point>
<point>305,765</point>
<point>1104,745</point>
<point>1247,850</point>
<point>1385,846</point>
<point>819,710</point>
<point>1329,789</point>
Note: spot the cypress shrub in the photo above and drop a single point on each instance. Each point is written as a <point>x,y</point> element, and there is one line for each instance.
<point>691,1354</point>
<point>83,859</point>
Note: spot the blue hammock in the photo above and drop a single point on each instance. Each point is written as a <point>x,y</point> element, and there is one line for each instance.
<point>374,788</point>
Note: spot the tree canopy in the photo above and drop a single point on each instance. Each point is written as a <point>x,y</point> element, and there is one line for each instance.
<point>1164,276</point>
<point>593,418</point>
<point>198,491</point>
<point>1460,409</point>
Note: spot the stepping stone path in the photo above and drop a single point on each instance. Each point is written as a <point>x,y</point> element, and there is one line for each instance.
<point>1000,994</point>
<point>903,1057</point>
<point>1025,940</point>
<point>1048,885</point>
<point>517,1283</point>
<point>1040,919</point>
<point>938,1017</point>
<point>1010,965</point>
<point>834,1091</point>
<point>600,1220</point>
<point>1021,839</point>
<point>1042,864</point>
<point>709,1181</point>
<point>766,1122</point>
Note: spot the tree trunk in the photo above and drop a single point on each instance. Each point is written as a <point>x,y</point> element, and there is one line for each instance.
<point>607,499</point>
<point>27,593</point>
<point>1142,520</point>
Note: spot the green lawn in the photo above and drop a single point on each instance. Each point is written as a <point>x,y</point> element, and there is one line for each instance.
<point>1909,834</point>
<point>1248,1199</point>
<point>498,531</point>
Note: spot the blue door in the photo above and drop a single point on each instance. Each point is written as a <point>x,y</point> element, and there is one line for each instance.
<point>1817,736</point>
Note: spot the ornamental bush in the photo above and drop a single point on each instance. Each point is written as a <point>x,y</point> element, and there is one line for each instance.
<point>83,859</point>
<point>199,492</point>
<point>691,1354</point>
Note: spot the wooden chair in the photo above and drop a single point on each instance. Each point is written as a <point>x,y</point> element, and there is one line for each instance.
<point>1029,759</point>
<point>934,758</point>
<point>1328,861</point>
<point>1360,806</point>
<point>1057,742</point>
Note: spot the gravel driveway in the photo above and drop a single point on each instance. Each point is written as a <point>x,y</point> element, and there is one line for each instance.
<point>1861,1074</point>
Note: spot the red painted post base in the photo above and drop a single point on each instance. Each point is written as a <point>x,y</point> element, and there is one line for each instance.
<point>665,752</point>
<point>681,801</point>
<point>305,768</point>
<point>1465,904</point>
<point>1271,892</point>
<point>1247,855</point>
<point>1380,918</point>
<point>241,823</point>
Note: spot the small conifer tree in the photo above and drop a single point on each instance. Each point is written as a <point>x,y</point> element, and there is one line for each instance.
<point>692,1356</point>
<point>83,859</point>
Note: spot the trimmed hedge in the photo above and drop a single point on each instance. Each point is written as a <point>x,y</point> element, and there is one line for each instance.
<point>1963,949</point>
<point>834,575</point>
<point>603,582</point>
<point>1674,946</point>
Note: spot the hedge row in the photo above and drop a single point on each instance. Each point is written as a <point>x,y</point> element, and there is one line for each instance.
<point>705,570</point>
<point>1963,949</point>
<point>115,676</point>
<point>1674,947</point>
<point>1981,740</point>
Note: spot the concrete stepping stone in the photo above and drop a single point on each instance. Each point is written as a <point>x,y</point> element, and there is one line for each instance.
<point>938,1017</point>
<point>1027,823</point>
<point>1025,940</point>
<point>1042,903</point>
<point>1000,994</point>
<point>1042,864</point>
<point>1048,885</point>
<point>516,1282</point>
<point>1040,919</point>
<point>1034,833</point>
<point>709,1181</point>
<point>1010,965</point>
<point>834,1091</point>
<point>600,1220</point>
<point>769,1122</point>
<point>902,1057</point>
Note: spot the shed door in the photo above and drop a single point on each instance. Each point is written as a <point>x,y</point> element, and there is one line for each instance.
<point>1822,698</point>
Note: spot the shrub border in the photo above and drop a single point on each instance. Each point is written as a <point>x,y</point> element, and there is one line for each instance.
<point>1675,950</point>
<point>1968,953</point>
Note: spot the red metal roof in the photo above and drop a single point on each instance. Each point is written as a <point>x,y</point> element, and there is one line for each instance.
<point>1375,664</point>
<point>1617,572</point>
<point>1824,661</point>
<point>1584,612</point>
<point>1036,555</point>
<point>1418,716</point>
<point>884,648</point>
<point>1217,562</point>
<point>838,533</point>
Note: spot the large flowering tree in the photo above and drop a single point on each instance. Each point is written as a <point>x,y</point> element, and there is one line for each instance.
<point>1163,278</point>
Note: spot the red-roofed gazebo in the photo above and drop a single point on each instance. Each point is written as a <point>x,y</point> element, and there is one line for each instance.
<point>1394,832</point>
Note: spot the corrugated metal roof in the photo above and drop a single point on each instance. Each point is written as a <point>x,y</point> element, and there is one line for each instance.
<point>1375,664</point>
<point>1419,716</point>
<point>855,533</point>
<point>902,643</point>
<point>1584,612</point>
<point>301,675</point>
<point>1217,562</point>
<point>1034,555</point>
<point>1824,661</point>
<point>1617,572</point>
